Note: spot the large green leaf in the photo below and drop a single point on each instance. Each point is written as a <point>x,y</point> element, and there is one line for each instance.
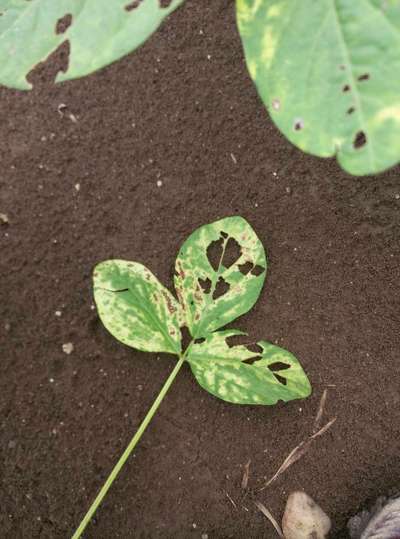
<point>328,72</point>
<point>198,283</point>
<point>275,373</point>
<point>135,307</point>
<point>101,31</point>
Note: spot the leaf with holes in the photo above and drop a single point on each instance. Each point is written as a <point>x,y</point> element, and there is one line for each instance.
<point>328,73</point>
<point>274,373</point>
<point>220,271</point>
<point>140,312</point>
<point>135,307</point>
<point>98,31</point>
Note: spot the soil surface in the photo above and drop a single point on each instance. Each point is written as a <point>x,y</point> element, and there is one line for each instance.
<point>125,164</point>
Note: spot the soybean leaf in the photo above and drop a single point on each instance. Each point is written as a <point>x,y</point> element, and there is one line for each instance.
<point>136,308</point>
<point>100,32</point>
<point>214,291</point>
<point>275,374</point>
<point>327,71</point>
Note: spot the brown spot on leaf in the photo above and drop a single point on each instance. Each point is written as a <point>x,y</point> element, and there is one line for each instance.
<point>181,273</point>
<point>169,303</point>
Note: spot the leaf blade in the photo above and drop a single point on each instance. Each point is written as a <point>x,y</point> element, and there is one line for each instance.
<point>136,308</point>
<point>221,371</point>
<point>101,32</point>
<point>204,314</point>
<point>339,85</point>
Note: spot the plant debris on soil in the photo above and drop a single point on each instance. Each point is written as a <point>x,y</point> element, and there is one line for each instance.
<point>167,139</point>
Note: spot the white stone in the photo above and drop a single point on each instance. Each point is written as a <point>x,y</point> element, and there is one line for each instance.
<point>68,348</point>
<point>304,519</point>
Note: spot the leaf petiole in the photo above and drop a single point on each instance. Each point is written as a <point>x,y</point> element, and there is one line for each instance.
<point>125,455</point>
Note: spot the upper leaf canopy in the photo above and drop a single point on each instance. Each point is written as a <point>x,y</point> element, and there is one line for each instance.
<point>328,72</point>
<point>101,31</point>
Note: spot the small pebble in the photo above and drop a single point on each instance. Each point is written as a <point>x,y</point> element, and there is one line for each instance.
<point>159,183</point>
<point>397,196</point>
<point>77,186</point>
<point>304,519</point>
<point>68,348</point>
<point>58,313</point>
<point>4,219</point>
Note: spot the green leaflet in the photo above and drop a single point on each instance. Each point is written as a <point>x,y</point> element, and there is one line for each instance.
<point>202,313</point>
<point>327,71</point>
<point>135,307</point>
<point>101,32</point>
<point>222,371</point>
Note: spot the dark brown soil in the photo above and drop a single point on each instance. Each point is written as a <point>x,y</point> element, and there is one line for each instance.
<point>183,111</point>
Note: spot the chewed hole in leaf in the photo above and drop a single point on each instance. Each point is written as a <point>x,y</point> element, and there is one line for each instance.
<point>298,124</point>
<point>205,285</point>
<point>165,3</point>
<point>346,88</point>
<point>365,76</point>
<point>351,110</point>
<point>221,288</point>
<point>199,341</point>
<point>251,360</point>
<point>278,366</point>
<point>236,340</point>
<point>186,337</point>
<point>232,253</point>
<point>280,379</point>
<point>63,24</point>
<point>45,72</point>
<point>246,267</point>
<point>360,140</point>
<point>254,347</point>
<point>133,5</point>
<point>257,270</point>
<point>214,253</point>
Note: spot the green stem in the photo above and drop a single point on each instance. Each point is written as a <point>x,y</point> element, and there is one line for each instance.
<point>124,457</point>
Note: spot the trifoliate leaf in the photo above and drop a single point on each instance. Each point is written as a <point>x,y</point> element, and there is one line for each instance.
<point>220,271</point>
<point>327,71</point>
<point>99,32</point>
<point>274,373</point>
<point>136,308</point>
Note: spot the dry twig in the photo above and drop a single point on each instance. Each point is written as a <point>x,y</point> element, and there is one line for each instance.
<point>270,517</point>
<point>246,474</point>
<point>298,452</point>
